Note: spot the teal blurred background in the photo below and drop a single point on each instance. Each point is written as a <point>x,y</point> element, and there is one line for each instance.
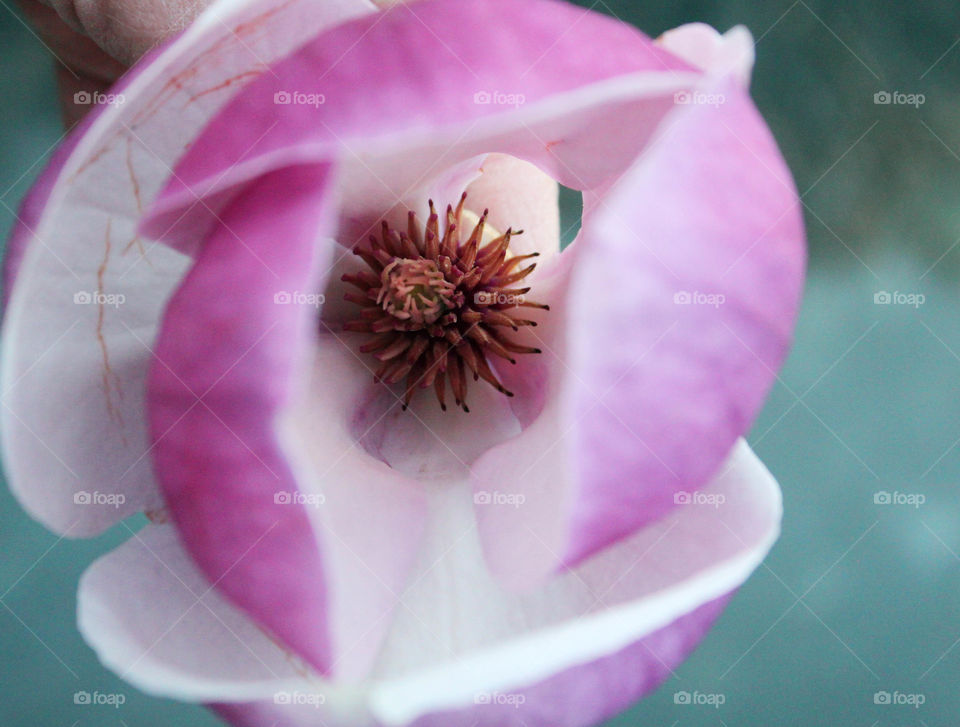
<point>857,597</point>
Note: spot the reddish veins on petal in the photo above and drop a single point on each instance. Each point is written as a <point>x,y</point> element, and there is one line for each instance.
<point>439,305</point>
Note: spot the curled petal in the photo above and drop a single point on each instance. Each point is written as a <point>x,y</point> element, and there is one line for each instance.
<point>145,609</point>
<point>576,652</point>
<point>364,66</point>
<point>85,292</point>
<point>670,316</point>
<point>675,360</point>
<point>521,196</point>
<point>252,416</point>
<point>224,478</point>
<point>699,44</point>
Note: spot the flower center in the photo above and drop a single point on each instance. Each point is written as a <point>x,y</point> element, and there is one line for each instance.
<point>439,305</point>
<point>416,292</point>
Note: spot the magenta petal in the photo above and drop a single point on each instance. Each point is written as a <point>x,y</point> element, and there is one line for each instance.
<point>223,369</point>
<point>669,317</point>
<point>74,372</point>
<point>590,693</point>
<point>578,697</point>
<point>399,105</point>
<point>699,253</point>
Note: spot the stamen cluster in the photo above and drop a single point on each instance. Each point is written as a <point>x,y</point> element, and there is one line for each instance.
<point>438,305</point>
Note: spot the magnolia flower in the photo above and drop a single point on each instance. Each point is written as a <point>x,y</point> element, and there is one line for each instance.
<point>297,294</point>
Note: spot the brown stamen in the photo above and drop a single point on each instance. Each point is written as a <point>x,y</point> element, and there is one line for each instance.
<point>439,303</point>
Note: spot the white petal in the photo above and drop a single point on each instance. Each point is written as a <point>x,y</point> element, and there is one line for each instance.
<point>154,620</point>
<point>73,369</point>
<point>456,632</point>
<point>701,45</point>
<point>461,634</point>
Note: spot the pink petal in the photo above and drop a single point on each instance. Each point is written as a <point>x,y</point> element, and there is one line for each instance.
<point>368,517</point>
<point>710,210</point>
<point>578,649</point>
<point>597,124</point>
<point>73,419</point>
<point>642,396</point>
<point>578,697</point>
<point>250,408</point>
<point>212,404</point>
<point>702,46</point>
<point>520,196</point>
<point>372,35</point>
<point>399,107</point>
<point>461,635</point>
